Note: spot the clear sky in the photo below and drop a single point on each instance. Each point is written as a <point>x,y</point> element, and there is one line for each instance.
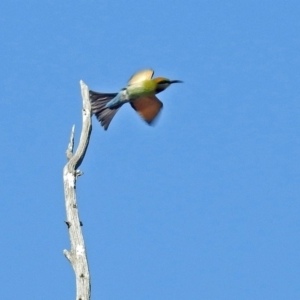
<point>204,205</point>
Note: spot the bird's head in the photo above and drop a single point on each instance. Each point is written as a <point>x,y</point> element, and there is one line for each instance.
<point>162,83</point>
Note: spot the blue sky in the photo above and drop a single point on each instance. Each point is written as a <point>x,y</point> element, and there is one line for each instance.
<point>204,205</point>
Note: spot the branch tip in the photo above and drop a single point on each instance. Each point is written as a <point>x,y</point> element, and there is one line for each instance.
<point>68,224</point>
<point>67,254</point>
<point>78,173</point>
<point>70,148</point>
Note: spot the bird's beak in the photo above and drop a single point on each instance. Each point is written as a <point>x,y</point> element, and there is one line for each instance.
<point>176,81</point>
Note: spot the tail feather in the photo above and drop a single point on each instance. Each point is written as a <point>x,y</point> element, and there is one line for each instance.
<point>99,109</point>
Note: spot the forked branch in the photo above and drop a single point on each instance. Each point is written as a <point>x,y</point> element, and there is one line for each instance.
<point>77,255</point>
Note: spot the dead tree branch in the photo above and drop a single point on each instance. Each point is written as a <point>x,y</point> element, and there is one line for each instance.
<point>77,254</point>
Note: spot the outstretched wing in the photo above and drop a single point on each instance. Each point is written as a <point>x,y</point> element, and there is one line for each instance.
<point>140,76</point>
<point>98,102</point>
<point>148,107</point>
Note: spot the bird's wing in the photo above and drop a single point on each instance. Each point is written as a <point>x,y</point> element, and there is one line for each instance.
<point>140,76</point>
<point>148,107</point>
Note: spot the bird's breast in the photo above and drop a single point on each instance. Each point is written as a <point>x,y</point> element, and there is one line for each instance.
<point>141,89</point>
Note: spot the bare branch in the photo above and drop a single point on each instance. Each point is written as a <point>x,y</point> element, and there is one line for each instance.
<point>77,254</point>
<point>70,148</point>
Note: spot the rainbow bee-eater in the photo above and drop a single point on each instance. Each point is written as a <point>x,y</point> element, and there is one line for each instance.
<point>140,93</point>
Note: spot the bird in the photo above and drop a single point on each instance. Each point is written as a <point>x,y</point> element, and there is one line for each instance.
<point>140,92</point>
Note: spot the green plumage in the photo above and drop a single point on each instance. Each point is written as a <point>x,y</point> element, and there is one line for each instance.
<point>144,88</point>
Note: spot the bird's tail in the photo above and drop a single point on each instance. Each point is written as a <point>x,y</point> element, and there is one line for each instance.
<point>99,109</point>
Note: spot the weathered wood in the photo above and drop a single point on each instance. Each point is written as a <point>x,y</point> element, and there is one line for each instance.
<point>77,255</point>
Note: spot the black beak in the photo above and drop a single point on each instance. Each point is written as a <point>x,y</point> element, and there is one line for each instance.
<point>176,81</point>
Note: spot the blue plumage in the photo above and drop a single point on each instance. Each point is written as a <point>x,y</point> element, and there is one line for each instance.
<point>116,102</point>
